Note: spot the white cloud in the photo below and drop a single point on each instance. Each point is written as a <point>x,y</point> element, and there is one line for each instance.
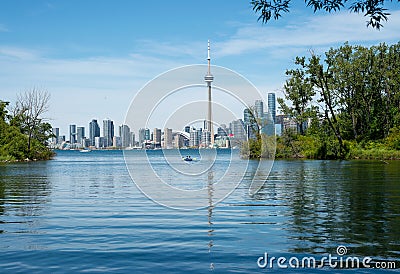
<point>312,32</point>
<point>18,53</point>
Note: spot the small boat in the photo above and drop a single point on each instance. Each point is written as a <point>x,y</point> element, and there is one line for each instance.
<point>187,159</point>
<point>85,150</point>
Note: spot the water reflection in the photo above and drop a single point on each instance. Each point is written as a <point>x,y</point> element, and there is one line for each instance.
<point>24,191</point>
<point>352,203</point>
<point>210,189</point>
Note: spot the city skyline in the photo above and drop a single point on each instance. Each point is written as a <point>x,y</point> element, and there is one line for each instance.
<point>198,134</point>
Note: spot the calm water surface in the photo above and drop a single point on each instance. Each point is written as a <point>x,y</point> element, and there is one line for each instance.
<point>81,212</point>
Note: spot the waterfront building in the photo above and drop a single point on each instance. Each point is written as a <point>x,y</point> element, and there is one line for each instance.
<point>147,135</point>
<point>132,139</point>
<point>167,138</point>
<point>179,141</point>
<point>272,105</point>
<point>142,136</point>
<point>259,109</point>
<point>108,132</point>
<point>80,134</point>
<point>56,133</point>
<point>117,141</point>
<point>222,130</point>
<point>205,138</point>
<point>157,137</point>
<point>268,125</point>
<point>194,139</point>
<point>94,131</point>
<point>100,142</point>
<point>72,134</point>
<point>125,134</point>
<point>238,130</point>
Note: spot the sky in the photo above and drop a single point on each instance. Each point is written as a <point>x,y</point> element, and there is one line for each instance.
<point>93,57</point>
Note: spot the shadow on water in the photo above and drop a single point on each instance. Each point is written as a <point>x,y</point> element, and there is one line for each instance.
<point>331,203</point>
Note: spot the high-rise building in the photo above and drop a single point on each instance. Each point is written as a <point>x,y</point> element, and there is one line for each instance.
<point>142,136</point>
<point>132,139</point>
<point>108,132</point>
<point>94,131</point>
<point>72,134</point>
<point>205,138</point>
<point>125,134</point>
<point>187,129</point>
<point>194,140</point>
<point>178,141</point>
<point>80,134</point>
<point>167,138</point>
<point>116,141</point>
<point>99,142</point>
<point>259,109</point>
<point>247,116</point>
<point>56,133</point>
<point>222,130</point>
<point>157,137</point>
<point>147,135</point>
<point>272,105</point>
<point>238,130</point>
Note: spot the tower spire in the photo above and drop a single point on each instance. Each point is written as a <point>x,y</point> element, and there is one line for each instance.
<point>209,78</point>
<point>208,57</point>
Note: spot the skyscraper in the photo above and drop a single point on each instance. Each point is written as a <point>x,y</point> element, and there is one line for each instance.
<point>132,139</point>
<point>108,132</point>
<point>194,138</point>
<point>147,135</point>
<point>80,134</point>
<point>142,136</point>
<point>56,132</point>
<point>259,109</point>
<point>272,105</point>
<point>187,129</point>
<point>167,138</point>
<point>94,131</point>
<point>238,129</point>
<point>72,134</point>
<point>157,137</point>
<point>125,134</point>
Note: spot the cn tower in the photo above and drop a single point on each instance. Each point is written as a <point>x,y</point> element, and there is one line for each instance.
<point>209,78</point>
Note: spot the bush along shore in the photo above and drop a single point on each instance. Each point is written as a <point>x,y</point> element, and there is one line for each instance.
<point>23,132</point>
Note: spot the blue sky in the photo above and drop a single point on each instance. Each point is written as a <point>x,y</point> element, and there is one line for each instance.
<point>93,56</point>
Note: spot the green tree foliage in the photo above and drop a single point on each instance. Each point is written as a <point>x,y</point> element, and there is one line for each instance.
<point>23,133</point>
<point>374,9</point>
<point>299,91</point>
<point>357,91</point>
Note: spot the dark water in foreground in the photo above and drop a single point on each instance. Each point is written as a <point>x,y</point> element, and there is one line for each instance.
<point>81,212</point>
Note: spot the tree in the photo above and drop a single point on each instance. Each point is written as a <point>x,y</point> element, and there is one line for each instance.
<point>27,115</point>
<point>299,91</point>
<point>374,9</point>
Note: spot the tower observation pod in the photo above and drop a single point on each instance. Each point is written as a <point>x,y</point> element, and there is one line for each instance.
<point>209,79</point>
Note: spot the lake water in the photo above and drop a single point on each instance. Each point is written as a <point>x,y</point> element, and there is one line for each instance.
<point>81,212</point>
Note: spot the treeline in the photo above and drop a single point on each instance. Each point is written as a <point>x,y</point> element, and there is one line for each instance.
<point>345,105</point>
<point>23,132</point>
